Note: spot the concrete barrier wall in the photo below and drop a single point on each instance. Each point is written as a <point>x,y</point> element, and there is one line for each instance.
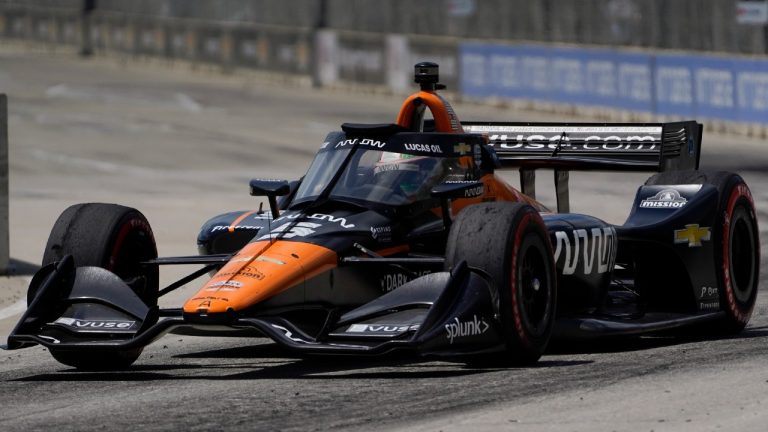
<point>727,92</point>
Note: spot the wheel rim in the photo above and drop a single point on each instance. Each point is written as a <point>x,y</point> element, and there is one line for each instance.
<point>742,257</point>
<point>134,244</point>
<point>535,289</point>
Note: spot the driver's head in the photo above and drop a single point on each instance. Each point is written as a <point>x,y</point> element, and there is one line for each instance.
<point>403,172</point>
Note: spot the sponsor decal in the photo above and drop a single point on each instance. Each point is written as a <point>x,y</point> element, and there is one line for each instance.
<point>360,141</point>
<point>666,199</point>
<point>460,329</point>
<point>395,167</point>
<point>692,235</point>
<point>462,148</point>
<point>84,324</point>
<point>381,328</point>
<point>576,130</point>
<point>228,285</point>
<point>451,114</point>
<point>538,142</point>
<point>319,216</point>
<point>249,272</point>
<point>301,229</point>
<point>427,148</point>
<point>709,306</point>
<point>209,298</point>
<point>707,292</point>
<point>469,193</point>
<point>262,258</point>
<point>592,251</point>
<point>238,227</point>
<point>587,138</point>
<point>474,192</point>
<point>478,156</point>
<point>393,281</point>
<point>382,233</point>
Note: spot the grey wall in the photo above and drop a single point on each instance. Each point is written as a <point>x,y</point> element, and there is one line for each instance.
<point>708,25</point>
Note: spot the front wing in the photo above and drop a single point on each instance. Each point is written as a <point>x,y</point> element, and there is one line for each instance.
<point>89,308</point>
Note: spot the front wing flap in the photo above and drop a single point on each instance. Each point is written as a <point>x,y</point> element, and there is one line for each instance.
<point>84,305</point>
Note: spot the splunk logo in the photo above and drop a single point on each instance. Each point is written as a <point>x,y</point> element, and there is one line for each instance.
<point>460,329</point>
<point>592,251</point>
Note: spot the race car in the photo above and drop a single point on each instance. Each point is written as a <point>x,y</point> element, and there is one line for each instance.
<point>403,236</point>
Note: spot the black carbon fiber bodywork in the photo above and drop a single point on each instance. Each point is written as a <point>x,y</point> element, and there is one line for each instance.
<point>389,288</point>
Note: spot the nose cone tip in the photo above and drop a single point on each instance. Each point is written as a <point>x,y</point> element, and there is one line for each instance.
<point>202,306</point>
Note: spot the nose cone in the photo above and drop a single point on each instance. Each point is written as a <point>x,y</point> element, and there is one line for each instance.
<point>258,272</point>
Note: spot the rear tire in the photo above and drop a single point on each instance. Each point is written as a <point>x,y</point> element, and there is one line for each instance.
<point>735,236</point>
<point>115,238</point>
<point>510,242</point>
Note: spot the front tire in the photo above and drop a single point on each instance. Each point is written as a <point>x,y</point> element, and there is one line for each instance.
<point>510,242</point>
<point>115,238</point>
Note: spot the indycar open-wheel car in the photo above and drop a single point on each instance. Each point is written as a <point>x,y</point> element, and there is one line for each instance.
<point>403,236</point>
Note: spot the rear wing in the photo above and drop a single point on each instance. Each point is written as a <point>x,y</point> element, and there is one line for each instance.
<point>567,147</point>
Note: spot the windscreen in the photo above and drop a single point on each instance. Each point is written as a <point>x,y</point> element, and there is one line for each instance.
<point>379,176</point>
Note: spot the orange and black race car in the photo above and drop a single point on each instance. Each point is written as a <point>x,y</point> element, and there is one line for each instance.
<point>402,237</point>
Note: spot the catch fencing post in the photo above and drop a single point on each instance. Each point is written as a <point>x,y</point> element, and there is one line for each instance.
<point>4,253</point>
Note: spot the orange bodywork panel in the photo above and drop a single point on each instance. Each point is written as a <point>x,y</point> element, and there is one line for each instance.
<point>258,272</point>
<point>442,111</point>
<point>496,189</point>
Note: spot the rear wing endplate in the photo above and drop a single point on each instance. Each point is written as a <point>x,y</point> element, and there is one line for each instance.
<point>564,147</point>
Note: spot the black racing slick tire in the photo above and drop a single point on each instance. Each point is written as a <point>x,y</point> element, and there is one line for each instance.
<point>118,239</point>
<point>509,241</point>
<point>735,236</point>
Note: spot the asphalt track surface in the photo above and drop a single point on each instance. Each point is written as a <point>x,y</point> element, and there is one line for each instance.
<point>181,146</point>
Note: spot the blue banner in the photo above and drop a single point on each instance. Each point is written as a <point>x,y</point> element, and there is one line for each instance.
<point>691,86</point>
<point>634,80</point>
<point>751,81</point>
<point>674,92</point>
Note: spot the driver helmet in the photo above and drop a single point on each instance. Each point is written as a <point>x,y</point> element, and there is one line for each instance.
<point>403,172</point>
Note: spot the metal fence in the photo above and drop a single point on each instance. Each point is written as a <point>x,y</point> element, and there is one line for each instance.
<point>700,25</point>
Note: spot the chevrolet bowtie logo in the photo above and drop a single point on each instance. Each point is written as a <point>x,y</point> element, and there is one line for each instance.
<point>461,148</point>
<point>693,235</point>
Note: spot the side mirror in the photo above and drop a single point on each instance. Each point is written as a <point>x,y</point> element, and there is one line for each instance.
<point>453,190</point>
<point>489,160</point>
<point>271,189</point>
